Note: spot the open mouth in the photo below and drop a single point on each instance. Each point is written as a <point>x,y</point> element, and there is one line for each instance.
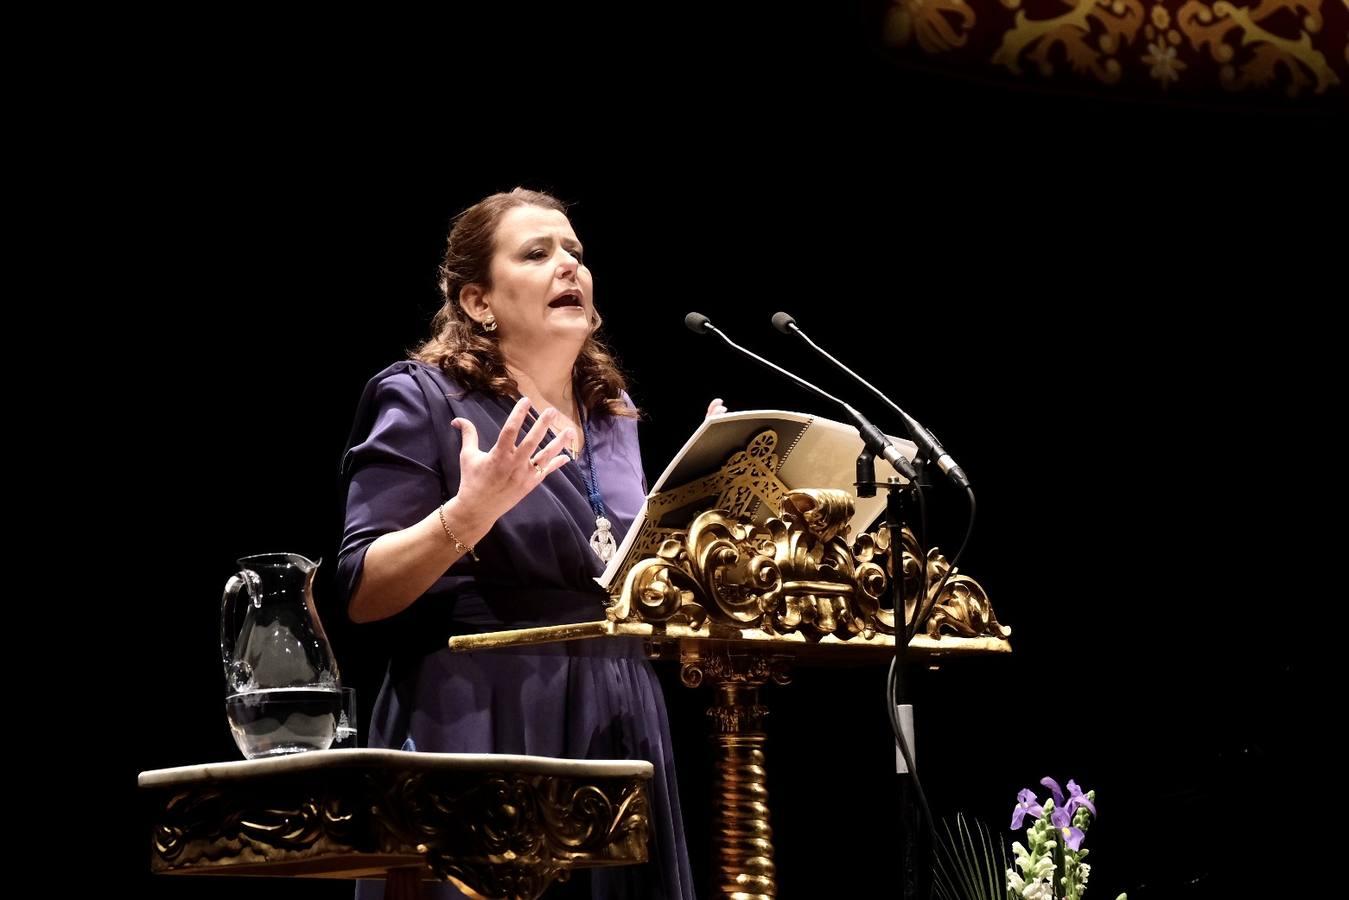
<point>568,299</point>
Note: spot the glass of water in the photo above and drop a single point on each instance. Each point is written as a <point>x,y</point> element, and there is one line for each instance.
<point>278,721</point>
<point>345,737</point>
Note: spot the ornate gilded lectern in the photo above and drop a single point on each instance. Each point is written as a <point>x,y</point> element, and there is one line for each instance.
<point>766,578</point>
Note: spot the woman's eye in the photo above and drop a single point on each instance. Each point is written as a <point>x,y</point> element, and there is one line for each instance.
<point>539,253</point>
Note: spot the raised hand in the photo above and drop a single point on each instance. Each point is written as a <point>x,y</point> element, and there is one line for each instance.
<point>491,482</point>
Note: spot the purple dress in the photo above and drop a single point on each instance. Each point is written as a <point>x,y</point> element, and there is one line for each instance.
<point>590,699</point>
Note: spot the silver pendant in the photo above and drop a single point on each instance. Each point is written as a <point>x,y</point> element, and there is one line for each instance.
<point>602,541</point>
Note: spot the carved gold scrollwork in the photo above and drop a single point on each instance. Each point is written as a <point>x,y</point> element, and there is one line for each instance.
<point>964,609</point>
<point>735,562</point>
<point>207,815</point>
<point>512,835</point>
<point>870,554</point>
<point>496,834</point>
<point>797,574</point>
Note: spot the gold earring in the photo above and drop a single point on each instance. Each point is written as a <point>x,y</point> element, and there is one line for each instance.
<point>489,323</point>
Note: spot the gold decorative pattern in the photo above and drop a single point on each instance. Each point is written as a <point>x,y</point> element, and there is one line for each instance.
<point>1073,31</point>
<point>512,835</point>
<point>747,479</point>
<point>964,609</point>
<point>1208,27</point>
<point>721,665</point>
<point>498,834</point>
<point>1298,48</point>
<point>743,865</point>
<point>932,22</point>
<point>191,820</point>
<point>795,575</point>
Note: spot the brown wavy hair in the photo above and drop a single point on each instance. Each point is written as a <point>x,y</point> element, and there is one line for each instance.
<point>471,355</point>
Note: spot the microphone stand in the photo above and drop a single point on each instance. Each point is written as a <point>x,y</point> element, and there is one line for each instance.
<point>915,857</point>
<point>914,878</point>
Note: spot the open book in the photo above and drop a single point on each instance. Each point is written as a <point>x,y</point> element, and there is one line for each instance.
<point>744,462</point>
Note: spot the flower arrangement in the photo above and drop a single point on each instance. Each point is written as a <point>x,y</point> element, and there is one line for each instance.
<point>1053,867</point>
<point>971,864</point>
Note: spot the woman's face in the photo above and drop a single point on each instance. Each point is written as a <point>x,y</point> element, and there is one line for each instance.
<point>541,294</point>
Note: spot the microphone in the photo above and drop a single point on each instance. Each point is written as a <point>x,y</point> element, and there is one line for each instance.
<point>875,441</point>
<point>698,323</point>
<point>925,440</point>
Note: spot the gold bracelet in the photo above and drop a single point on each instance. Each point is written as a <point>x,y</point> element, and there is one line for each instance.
<point>458,544</point>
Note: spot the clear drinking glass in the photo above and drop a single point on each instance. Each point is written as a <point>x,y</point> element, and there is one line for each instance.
<point>346,737</point>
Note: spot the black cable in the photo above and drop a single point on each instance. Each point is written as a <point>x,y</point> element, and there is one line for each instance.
<point>921,614</point>
<point>892,709</point>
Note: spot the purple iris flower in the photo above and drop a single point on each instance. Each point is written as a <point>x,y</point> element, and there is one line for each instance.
<point>1062,821</point>
<point>1026,803</point>
<point>1054,789</point>
<point>1077,798</point>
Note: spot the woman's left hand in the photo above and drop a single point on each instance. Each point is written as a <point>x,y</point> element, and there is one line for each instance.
<point>716,408</point>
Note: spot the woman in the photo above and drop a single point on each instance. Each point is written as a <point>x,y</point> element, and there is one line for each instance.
<point>486,479</point>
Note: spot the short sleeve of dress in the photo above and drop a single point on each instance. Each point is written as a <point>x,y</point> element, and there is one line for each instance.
<point>393,472</point>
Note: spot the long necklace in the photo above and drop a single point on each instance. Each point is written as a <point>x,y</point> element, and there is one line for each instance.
<point>602,540</point>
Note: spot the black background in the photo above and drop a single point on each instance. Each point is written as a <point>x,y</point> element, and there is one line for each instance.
<point>1114,314</point>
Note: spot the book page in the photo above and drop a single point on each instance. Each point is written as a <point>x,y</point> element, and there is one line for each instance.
<point>745,462</point>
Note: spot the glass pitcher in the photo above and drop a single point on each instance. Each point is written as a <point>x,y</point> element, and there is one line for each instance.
<point>281,679</point>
